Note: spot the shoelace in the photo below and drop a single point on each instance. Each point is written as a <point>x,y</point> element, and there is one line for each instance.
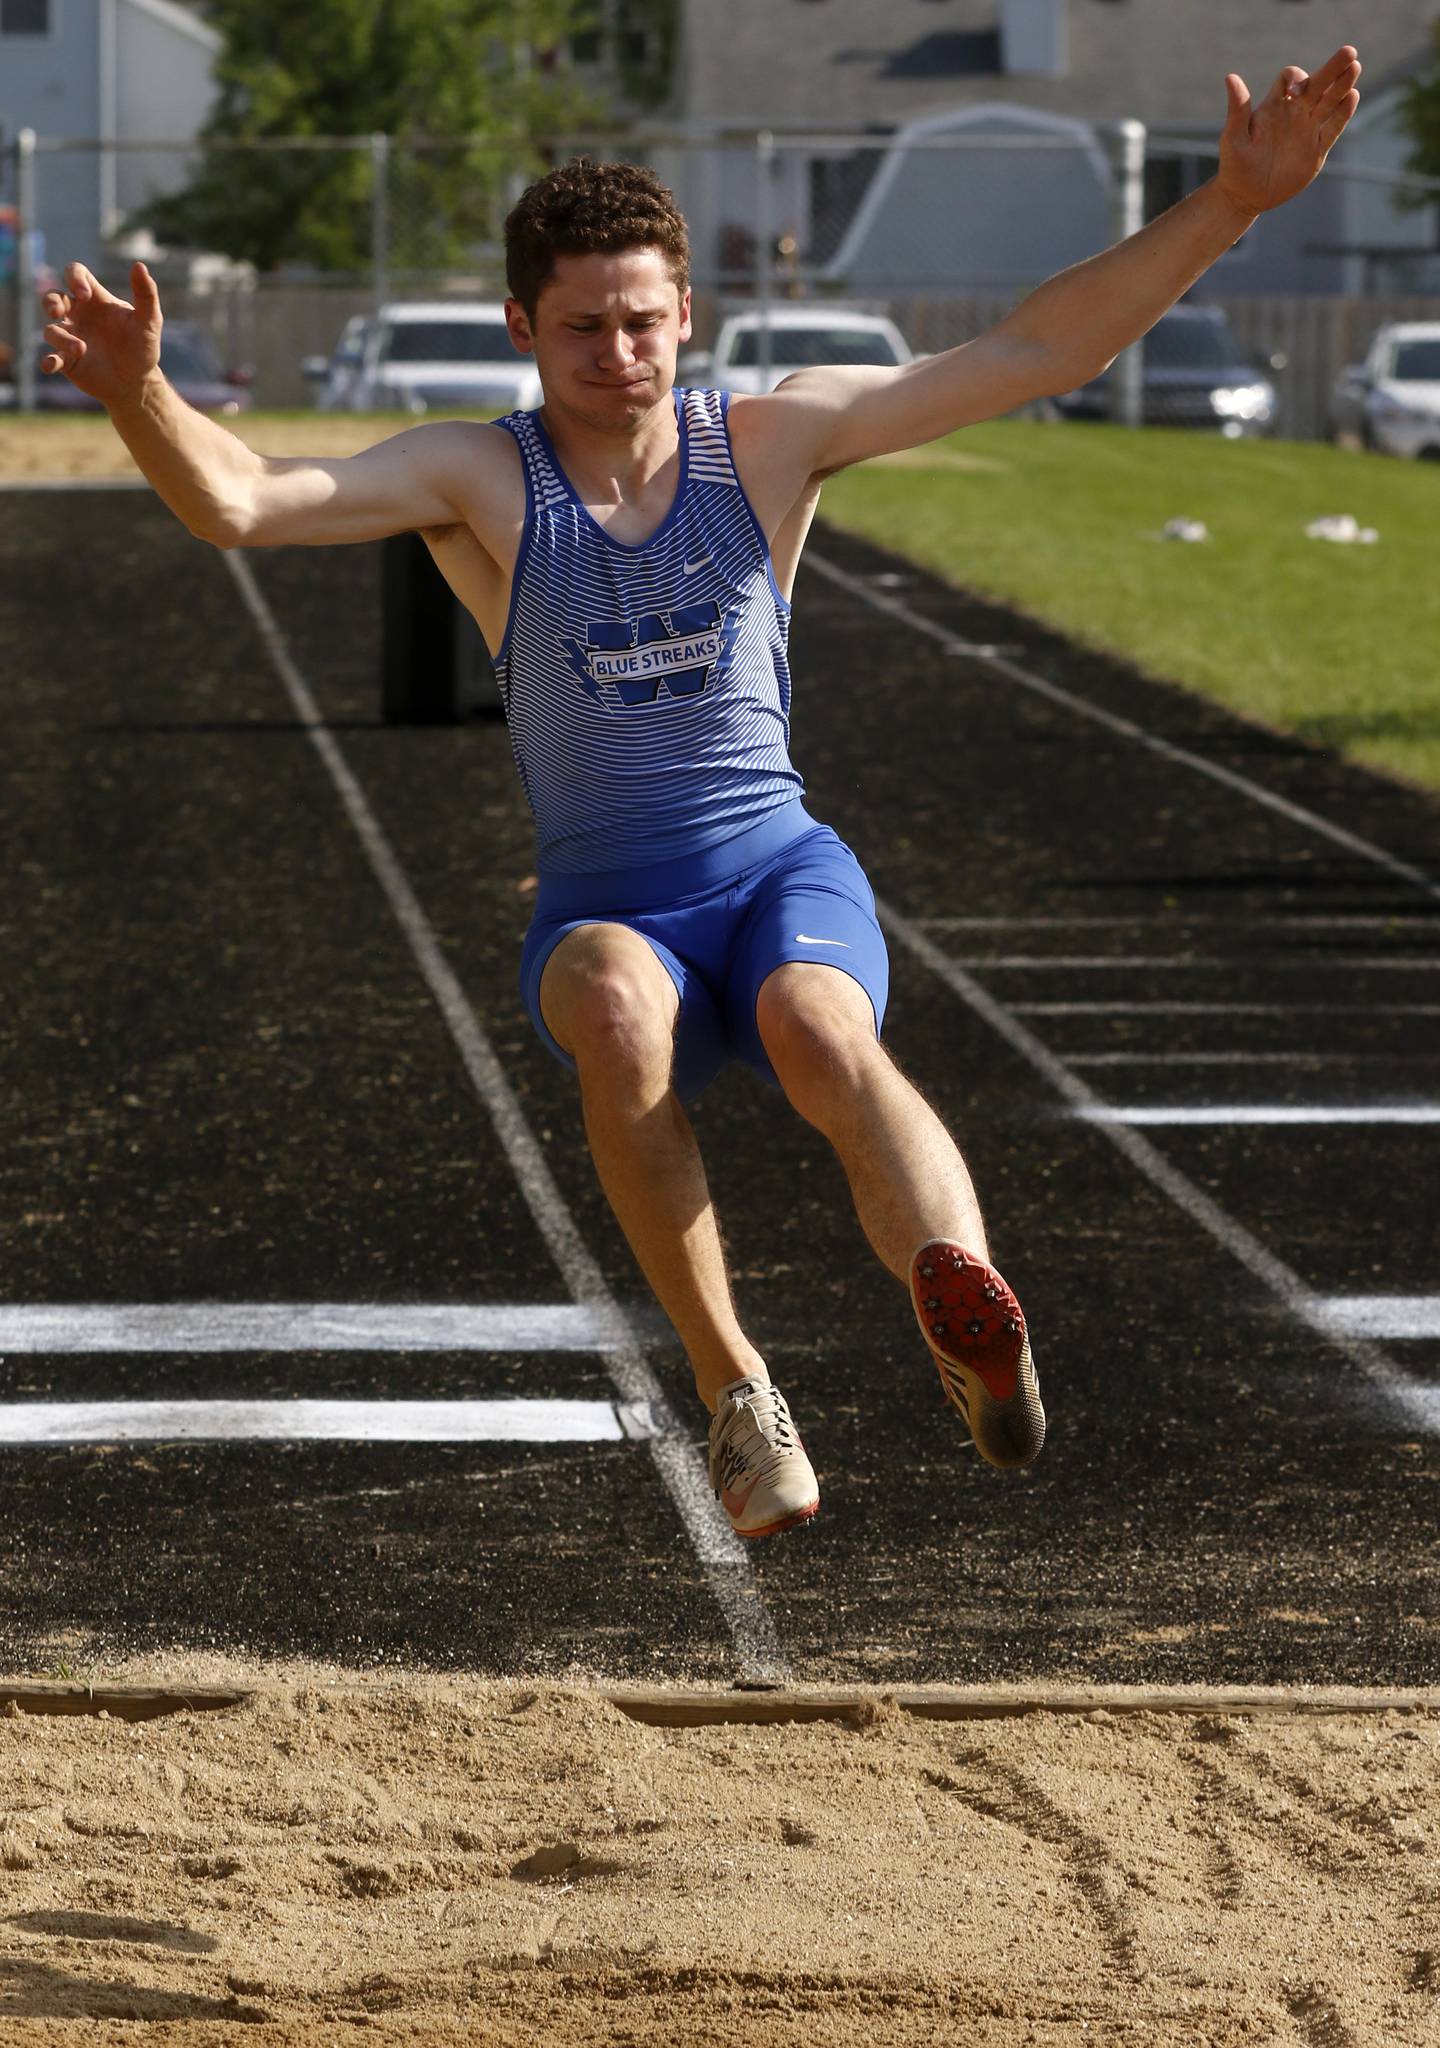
<point>771,1442</point>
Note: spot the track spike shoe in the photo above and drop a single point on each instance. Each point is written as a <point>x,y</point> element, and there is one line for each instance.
<point>758,1466</point>
<point>976,1333</point>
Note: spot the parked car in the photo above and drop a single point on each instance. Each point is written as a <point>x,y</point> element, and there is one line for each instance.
<point>189,360</point>
<point>799,336</point>
<point>1391,401</point>
<point>1195,374</point>
<point>436,356</point>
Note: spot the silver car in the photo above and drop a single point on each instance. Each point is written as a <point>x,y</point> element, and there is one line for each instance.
<point>436,355</point>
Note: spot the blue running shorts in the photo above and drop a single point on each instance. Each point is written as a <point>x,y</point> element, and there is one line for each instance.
<point>719,922</point>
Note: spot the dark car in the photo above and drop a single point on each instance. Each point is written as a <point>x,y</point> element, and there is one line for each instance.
<point>1195,375</point>
<point>188,358</point>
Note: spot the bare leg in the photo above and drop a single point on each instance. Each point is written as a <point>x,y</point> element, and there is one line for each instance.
<point>610,1003</point>
<point>905,1170</point>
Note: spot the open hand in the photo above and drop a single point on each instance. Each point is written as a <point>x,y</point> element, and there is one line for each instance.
<point>1270,152</point>
<point>105,346</point>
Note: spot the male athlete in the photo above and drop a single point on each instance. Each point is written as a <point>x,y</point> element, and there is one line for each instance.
<point>629,553</point>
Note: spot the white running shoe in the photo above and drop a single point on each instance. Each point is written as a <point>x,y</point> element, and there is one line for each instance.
<point>758,1466</point>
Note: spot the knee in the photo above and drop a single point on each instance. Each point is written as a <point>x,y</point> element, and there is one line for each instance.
<point>608,1008</point>
<point>820,1051</point>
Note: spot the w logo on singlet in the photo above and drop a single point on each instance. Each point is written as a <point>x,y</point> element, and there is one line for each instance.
<point>628,662</point>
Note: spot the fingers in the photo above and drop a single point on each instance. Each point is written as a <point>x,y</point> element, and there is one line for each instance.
<point>85,288</point>
<point>66,350</point>
<point>1346,58</point>
<point>1338,118</point>
<point>57,307</point>
<point>1238,93</point>
<point>1319,89</point>
<point>1341,87</point>
<point>1290,85</point>
<point>145,292</point>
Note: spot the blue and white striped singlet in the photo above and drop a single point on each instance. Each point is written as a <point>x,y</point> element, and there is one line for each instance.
<point>646,686</point>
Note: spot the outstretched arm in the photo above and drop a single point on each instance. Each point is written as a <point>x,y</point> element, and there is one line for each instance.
<point>1074,325</point>
<point>222,490</point>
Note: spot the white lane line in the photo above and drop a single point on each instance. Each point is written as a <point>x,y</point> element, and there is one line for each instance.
<point>1310,821</point>
<point>677,1459</point>
<point>201,1326</point>
<point>1264,1113</point>
<point>1247,1059</point>
<point>1416,1404</point>
<point>1122,1009</point>
<point>1193,920</point>
<point>1409,1316</point>
<point>368,1422</point>
<point>1262,962</point>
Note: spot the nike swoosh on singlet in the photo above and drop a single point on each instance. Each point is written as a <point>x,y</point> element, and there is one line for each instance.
<point>804,939</point>
<point>703,563</point>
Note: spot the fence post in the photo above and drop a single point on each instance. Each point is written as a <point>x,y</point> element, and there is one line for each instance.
<point>764,248</point>
<point>1127,157</point>
<point>25,270</point>
<point>380,218</point>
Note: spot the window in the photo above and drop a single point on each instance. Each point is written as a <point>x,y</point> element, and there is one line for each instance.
<point>447,341</point>
<point>1417,361</point>
<point>24,17</point>
<point>794,347</point>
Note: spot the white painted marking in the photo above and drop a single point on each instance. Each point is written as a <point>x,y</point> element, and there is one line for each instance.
<point>1260,962</point>
<point>720,1551</point>
<point>204,1326</point>
<point>1245,1059</point>
<point>1410,1316</point>
<point>1365,849</point>
<point>371,1422</point>
<point>1224,1009</point>
<point>1418,1405</point>
<point>1266,1113</point>
<point>1174,921</point>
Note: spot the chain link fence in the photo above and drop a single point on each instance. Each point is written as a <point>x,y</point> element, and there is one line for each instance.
<point>943,230</point>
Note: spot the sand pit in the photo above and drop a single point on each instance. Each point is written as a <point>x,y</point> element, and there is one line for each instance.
<point>84,446</point>
<point>435,1859</point>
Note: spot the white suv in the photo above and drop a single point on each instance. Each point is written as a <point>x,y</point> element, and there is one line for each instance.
<point>442,355</point>
<point>799,336</point>
<point>1391,401</point>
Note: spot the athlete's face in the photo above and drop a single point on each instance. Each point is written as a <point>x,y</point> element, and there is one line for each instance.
<point>605,335</point>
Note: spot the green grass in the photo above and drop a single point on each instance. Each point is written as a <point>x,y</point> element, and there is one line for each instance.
<point>1338,644</point>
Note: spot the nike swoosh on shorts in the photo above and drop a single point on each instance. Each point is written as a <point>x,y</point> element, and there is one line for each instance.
<point>804,939</point>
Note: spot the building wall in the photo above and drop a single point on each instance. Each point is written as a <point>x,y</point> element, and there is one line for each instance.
<point>851,65</point>
<point>164,88</point>
<point>51,83</point>
<point>121,68</point>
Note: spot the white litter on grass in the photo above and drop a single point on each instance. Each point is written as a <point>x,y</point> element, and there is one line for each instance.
<point>1341,526</point>
<point>1185,529</point>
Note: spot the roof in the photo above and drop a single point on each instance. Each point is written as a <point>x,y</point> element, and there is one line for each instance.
<point>443,309</point>
<point>833,65</point>
<point>819,313</point>
<point>182,20</point>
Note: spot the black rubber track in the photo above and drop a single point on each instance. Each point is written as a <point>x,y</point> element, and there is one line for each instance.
<point>226,1081</point>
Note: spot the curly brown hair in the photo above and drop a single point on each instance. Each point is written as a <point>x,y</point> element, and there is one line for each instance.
<point>583,208</point>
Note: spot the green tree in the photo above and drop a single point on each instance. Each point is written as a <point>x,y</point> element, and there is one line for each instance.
<point>1420,119</point>
<point>416,70</point>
